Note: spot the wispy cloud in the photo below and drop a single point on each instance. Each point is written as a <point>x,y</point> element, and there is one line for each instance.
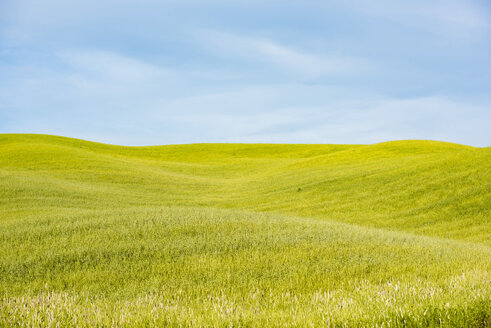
<point>288,59</point>
<point>112,65</point>
<point>453,18</point>
<point>360,120</point>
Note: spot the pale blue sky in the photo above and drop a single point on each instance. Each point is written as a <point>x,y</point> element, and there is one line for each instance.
<point>148,72</point>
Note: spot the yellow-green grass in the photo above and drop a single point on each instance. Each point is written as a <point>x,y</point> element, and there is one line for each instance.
<point>391,234</point>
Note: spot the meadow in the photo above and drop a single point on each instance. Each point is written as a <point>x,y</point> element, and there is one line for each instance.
<point>395,234</point>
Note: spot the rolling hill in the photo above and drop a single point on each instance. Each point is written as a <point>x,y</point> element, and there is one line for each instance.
<point>390,234</point>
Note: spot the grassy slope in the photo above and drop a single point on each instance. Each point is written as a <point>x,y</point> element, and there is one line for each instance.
<point>100,224</point>
<point>430,188</point>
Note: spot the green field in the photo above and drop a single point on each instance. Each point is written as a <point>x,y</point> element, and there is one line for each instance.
<point>394,234</point>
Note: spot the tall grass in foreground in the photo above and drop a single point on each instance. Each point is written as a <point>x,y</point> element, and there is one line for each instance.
<point>177,266</point>
<point>388,305</point>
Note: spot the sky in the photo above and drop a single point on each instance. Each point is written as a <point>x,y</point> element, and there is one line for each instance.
<point>151,72</point>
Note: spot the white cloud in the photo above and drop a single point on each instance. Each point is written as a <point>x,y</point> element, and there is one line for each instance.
<point>464,19</point>
<point>112,65</point>
<point>287,59</point>
<point>226,118</point>
<point>270,113</point>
